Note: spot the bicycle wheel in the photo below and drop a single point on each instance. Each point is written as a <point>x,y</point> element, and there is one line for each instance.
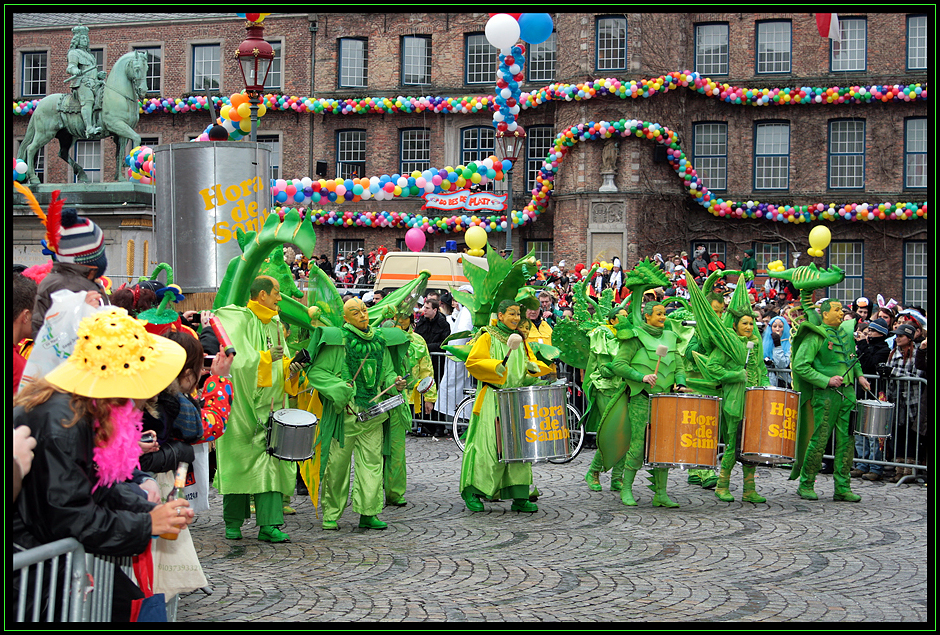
<point>462,421</point>
<point>576,435</point>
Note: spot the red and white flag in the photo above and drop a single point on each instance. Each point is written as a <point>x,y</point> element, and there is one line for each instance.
<point>828,25</point>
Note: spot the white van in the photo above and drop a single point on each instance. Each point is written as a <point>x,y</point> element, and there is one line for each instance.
<point>400,268</point>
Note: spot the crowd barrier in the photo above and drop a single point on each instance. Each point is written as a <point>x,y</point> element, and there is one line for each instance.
<point>903,443</point>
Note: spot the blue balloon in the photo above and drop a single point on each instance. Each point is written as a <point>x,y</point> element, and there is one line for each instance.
<point>535,28</point>
<point>507,165</point>
<point>281,197</point>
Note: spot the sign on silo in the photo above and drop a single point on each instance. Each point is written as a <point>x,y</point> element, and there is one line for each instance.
<point>205,191</point>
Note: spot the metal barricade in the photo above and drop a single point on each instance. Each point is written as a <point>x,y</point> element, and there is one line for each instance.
<point>905,448</point>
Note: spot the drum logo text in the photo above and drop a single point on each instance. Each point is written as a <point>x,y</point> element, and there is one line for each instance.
<point>550,427</point>
<point>704,436</point>
<point>788,431</point>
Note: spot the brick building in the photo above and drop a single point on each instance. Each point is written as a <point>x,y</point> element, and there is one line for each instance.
<point>871,150</point>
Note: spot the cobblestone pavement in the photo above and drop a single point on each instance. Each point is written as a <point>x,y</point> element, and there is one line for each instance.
<point>582,557</point>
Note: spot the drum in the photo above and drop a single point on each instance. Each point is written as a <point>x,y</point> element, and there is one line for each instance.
<point>290,434</point>
<point>381,408</point>
<point>532,426</point>
<point>424,385</point>
<point>683,431</point>
<point>873,418</point>
<point>768,432</point>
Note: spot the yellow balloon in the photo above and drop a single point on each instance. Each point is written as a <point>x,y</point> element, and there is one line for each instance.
<point>476,252</point>
<point>475,237</point>
<point>244,111</point>
<point>245,125</point>
<point>819,237</point>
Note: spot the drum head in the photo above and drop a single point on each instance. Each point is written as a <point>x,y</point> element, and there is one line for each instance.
<point>295,417</point>
<point>424,385</point>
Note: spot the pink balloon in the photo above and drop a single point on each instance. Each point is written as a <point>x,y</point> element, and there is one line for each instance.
<point>415,239</point>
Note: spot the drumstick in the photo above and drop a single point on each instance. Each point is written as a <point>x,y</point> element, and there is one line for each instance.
<point>750,347</point>
<point>358,369</point>
<point>661,351</point>
<point>512,342</point>
<point>387,389</point>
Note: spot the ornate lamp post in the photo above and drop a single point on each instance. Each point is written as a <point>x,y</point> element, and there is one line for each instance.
<point>254,57</point>
<point>508,148</point>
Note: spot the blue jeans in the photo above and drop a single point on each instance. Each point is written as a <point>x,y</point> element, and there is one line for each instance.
<point>868,448</point>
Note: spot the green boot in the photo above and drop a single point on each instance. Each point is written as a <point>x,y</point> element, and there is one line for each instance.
<point>593,475</point>
<point>658,484</point>
<point>750,488</point>
<point>371,522</point>
<point>626,494</point>
<point>472,501</point>
<point>805,490</point>
<point>616,476</point>
<point>523,505</point>
<point>722,492</point>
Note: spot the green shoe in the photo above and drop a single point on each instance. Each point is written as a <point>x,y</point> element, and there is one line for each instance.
<point>753,497</point>
<point>396,502</point>
<point>662,500</point>
<point>626,497</point>
<point>472,501</point>
<point>534,494</point>
<point>270,533</point>
<point>710,481</point>
<point>694,479</point>
<point>371,522</point>
<point>593,480</point>
<point>289,511</point>
<point>233,533</point>
<point>724,494</point>
<point>330,525</point>
<point>850,497</point>
<point>524,505</point>
<point>616,484</point>
<point>807,493</point>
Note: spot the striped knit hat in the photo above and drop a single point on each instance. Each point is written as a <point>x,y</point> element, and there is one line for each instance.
<point>80,240</point>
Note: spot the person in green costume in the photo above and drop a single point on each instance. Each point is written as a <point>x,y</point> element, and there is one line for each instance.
<point>637,363</point>
<point>352,366</point>
<point>824,371</point>
<point>418,361</point>
<point>603,390</point>
<point>730,366</point>
<point>260,376</point>
<point>494,366</point>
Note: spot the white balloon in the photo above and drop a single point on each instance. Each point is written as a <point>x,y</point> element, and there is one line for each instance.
<point>514,69</point>
<point>497,117</point>
<point>502,31</point>
<point>373,180</point>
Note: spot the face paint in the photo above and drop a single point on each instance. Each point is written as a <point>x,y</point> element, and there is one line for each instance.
<point>270,300</point>
<point>746,326</point>
<point>356,313</point>
<point>658,317</point>
<point>510,318</point>
<point>833,316</point>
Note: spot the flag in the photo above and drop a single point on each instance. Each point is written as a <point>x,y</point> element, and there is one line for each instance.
<point>828,25</point>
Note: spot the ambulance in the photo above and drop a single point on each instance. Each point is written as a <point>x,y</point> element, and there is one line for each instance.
<point>399,268</point>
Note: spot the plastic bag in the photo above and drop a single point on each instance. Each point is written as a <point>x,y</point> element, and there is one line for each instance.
<point>58,334</point>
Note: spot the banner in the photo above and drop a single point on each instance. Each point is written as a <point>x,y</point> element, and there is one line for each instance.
<point>465,199</point>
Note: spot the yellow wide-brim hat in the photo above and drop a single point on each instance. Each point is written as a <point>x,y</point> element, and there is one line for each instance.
<point>116,357</point>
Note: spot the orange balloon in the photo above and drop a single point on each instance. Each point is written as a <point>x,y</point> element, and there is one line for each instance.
<point>238,99</point>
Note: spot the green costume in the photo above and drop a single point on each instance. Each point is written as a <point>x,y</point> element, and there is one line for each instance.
<point>244,466</point>
<point>481,473</point>
<point>603,391</point>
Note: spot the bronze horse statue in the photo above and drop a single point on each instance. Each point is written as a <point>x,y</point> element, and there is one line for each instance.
<point>120,111</point>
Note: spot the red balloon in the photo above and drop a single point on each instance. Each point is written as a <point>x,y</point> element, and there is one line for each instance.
<point>515,16</point>
<point>253,17</point>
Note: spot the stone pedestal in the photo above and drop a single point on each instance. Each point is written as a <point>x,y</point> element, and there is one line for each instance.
<point>608,185</point>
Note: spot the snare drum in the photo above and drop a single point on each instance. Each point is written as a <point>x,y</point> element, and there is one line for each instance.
<point>683,431</point>
<point>768,432</point>
<point>533,424</point>
<point>290,434</point>
<point>873,418</point>
<point>380,408</point>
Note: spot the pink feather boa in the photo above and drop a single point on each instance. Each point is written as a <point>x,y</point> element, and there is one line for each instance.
<point>38,272</point>
<point>117,460</point>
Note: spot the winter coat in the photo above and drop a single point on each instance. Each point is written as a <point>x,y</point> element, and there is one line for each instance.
<point>434,331</point>
<point>64,275</point>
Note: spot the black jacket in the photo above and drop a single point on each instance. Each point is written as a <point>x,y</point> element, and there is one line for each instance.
<point>434,331</point>
<point>56,500</point>
<point>871,353</point>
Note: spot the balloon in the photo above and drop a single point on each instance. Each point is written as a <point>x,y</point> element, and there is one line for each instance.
<point>819,239</point>
<point>415,239</point>
<point>476,237</point>
<point>535,28</point>
<point>502,31</point>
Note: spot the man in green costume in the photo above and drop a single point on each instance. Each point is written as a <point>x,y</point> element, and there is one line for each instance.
<point>352,366</point>
<point>418,361</point>
<point>646,374</point>
<point>495,366</point>
<point>259,375</point>
<point>824,372</point>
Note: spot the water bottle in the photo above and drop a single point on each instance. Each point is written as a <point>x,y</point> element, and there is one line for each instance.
<point>179,483</point>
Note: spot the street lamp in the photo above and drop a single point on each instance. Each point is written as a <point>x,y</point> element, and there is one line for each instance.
<point>254,57</point>
<point>508,147</point>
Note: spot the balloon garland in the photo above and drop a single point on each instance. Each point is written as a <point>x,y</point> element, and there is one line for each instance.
<point>140,165</point>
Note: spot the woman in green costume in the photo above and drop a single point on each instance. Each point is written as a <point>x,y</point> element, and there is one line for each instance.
<point>481,473</point>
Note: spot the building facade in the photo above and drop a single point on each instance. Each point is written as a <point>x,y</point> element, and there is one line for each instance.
<point>350,90</point>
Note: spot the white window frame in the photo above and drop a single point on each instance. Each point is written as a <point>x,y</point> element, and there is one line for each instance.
<point>710,153</point>
<point>916,268</point>
<point>846,165</point>
<point>850,54</point>
<point>154,63</point>
<point>414,150</point>
<point>708,61</point>
<point>774,46</point>
<point>415,64</point>
<point>199,68</point>
<point>541,59</point>
<point>848,255</point>
<point>275,78</point>
<point>916,161</point>
<point>273,141</point>
<point>917,42</point>
<point>42,69</point>
<point>353,62</point>
<point>351,153</point>
<point>481,60</point>
<point>610,43</point>
<point>772,155</point>
<point>544,251</point>
<point>539,142</point>
<point>82,151</point>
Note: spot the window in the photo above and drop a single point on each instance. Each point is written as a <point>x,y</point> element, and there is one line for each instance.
<point>154,66</point>
<point>274,142</point>
<point>915,273</point>
<point>275,77</point>
<point>849,54</point>
<point>416,59</point>
<point>415,150</point>
<point>476,144</point>
<point>713,247</point>
<point>40,167</point>
<point>34,73</point>
<point>482,60</point>
<point>917,42</point>
<point>350,154</point>
<point>353,63</point>
<point>772,156</point>
<point>346,248</point>
<point>773,47</point>
<point>611,44</point>
<point>710,154</point>
<point>711,49</point>
<point>846,154</point>
<point>538,141</point>
<point>915,153</point>
<point>88,155</point>
<point>768,252</point>
<point>541,61</point>
<point>99,58</point>
<point>544,251</point>
<point>850,257</point>
<point>207,67</point>
<point>149,141</point>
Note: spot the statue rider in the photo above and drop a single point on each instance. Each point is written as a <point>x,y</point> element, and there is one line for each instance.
<point>84,79</point>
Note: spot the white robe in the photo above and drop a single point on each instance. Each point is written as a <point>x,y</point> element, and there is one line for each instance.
<point>456,379</point>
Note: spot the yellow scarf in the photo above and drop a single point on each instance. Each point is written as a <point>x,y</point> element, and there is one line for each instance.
<point>264,313</point>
